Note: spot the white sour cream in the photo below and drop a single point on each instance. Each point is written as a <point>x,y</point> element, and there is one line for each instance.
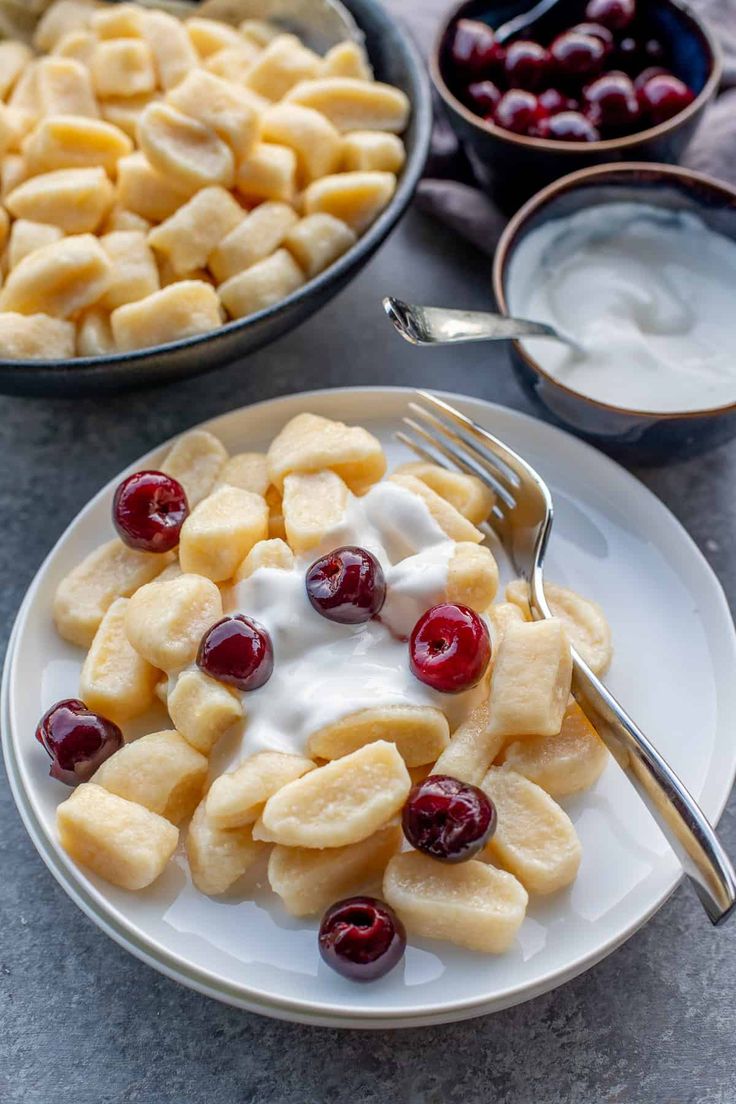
<point>324,671</point>
<point>649,294</point>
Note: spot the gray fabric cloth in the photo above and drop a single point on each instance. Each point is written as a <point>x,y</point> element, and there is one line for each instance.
<point>450,192</point>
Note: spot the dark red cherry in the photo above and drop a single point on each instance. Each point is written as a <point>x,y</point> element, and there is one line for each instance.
<point>483,96</point>
<point>577,55</point>
<point>448,819</point>
<point>518,111</point>
<point>568,126</point>
<point>552,102</point>
<point>611,101</point>
<point>663,97</point>
<point>474,49</point>
<point>595,30</point>
<point>148,511</point>
<point>647,74</point>
<point>527,65</point>
<point>450,648</point>
<point>77,740</point>
<point>347,586</point>
<point>361,938</point>
<point>614,14</point>
<point>237,651</point>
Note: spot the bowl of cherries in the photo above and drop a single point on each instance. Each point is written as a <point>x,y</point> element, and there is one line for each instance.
<point>586,81</point>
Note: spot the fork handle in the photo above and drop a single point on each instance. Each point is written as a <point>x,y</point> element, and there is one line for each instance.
<point>676,812</point>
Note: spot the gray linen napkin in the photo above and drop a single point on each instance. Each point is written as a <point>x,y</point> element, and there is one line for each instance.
<point>449,190</point>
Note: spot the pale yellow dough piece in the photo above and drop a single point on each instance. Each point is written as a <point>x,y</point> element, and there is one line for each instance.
<point>14,57</point>
<point>314,504</point>
<point>75,200</point>
<point>341,803</point>
<point>112,571</point>
<point>346,59</point>
<point>534,838</point>
<point>499,618</point>
<point>210,35</point>
<point>125,111</point>
<point>173,53</point>
<point>450,520</point>
<point>357,198</point>
<point>13,171</point>
<point>247,470</point>
<point>470,904</point>
<point>227,108</point>
<point>181,310</point>
<point>252,239</point>
<point>77,45</point>
<point>120,21</point>
<point>165,621</point>
<point>317,241</point>
<point>472,576</point>
<point>273,553</point>
<point>134,272</point>
<point>120,219</point>
<point>220,532</point>
<point>145,191</point>
<point>352,104</point>
<point>468,494</point>
<point>115,680</point>
<point>268,172</point>
<point>94,334</point>
<point>571,761</point>
<point>122,67</point>
<point>217,856</point>
<point>117,839</point>
<point>59,19</point>
<point>182,149</point>
<point>190,235</point>
<point>161,772</point>
<point>530,683</point>
<point>420,733</point>
<point>262,285</point>
<point>232,63</point>
<point>313,138</point>
<point>202,710</point>
<point>372,151</point>
<point>27,236</point>
<point>64,87</point>
<point>283,63</point>
<point>308,881</point>
<point>237,797</point>
<point>585,621</point>
<point>310,443</point>
<point>35,337</point>
<point>258,31</point>
<point>59,279</point>
<point>195,461</point>
<point>472,748</point>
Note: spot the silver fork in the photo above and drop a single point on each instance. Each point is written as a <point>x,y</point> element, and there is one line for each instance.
<point>522,519</point>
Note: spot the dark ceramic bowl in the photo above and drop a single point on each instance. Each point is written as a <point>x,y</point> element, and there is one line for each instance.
<point>395,60</point>
<point>514,166</point>
<point>639,436</point>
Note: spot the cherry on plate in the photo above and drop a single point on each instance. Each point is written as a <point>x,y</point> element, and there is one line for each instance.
<point>614,14</point>
<point>448,819</point>
<point>664,96</point>
<point>526,65</point>
<point>647,74</point>
<point>361,938</point>
<point>450,648</point>
<point>568,126</point>
<point>552,102</point>
<point>595,30</point>
<point>77,740</point>
<point>517,111</point>
<point>577,55</point>
<point>346,586</point>
<point>611,101</point>
<point>474,49</point>
<point>484,96</point>
<point>237,651</point>
<point>148,511</point>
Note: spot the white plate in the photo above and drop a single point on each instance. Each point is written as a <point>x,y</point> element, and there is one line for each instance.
<point>675,657</point>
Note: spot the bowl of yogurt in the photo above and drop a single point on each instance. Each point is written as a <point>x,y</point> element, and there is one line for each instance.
<point>636,265</point>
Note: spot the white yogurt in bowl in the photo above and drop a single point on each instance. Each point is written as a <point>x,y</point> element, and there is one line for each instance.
<point>648,293</point>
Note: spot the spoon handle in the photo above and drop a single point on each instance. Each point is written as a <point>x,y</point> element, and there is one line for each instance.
<point>443,326</point>
<point>524,21</point>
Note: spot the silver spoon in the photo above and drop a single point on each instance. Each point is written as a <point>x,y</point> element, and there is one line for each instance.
<point>444,326</point>
<point>524,21</point>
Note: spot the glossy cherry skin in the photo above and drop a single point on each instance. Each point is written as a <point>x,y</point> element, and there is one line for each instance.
<point>611,101</point>
<point>237,651</point>
<point>474,49</point>
<point>526,65</point>
<point>647,74</point>
<point>664,96</point>
<point>450,648</point>
<point>77,740</point>
<point>614,14</point>
<point>577,55</point>
<point>448,819</point>
<point>347,586</point>
<point>484,96</point>
<point>148,511</point>
<point>552,102</point>
<point>361,938</point>
<point>595,30</point>
<point>568,126</point>
<point>518,111</point>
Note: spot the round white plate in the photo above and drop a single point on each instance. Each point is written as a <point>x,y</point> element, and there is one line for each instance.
<point>675,657</point>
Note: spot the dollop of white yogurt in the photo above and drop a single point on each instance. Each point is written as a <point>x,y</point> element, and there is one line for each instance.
<point>649,295</point>
<point>324,671</point>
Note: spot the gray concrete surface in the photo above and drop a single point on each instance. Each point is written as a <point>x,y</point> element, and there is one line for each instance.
<point>81,1021</point>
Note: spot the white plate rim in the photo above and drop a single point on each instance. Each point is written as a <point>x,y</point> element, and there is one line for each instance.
<point>107,916</point>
